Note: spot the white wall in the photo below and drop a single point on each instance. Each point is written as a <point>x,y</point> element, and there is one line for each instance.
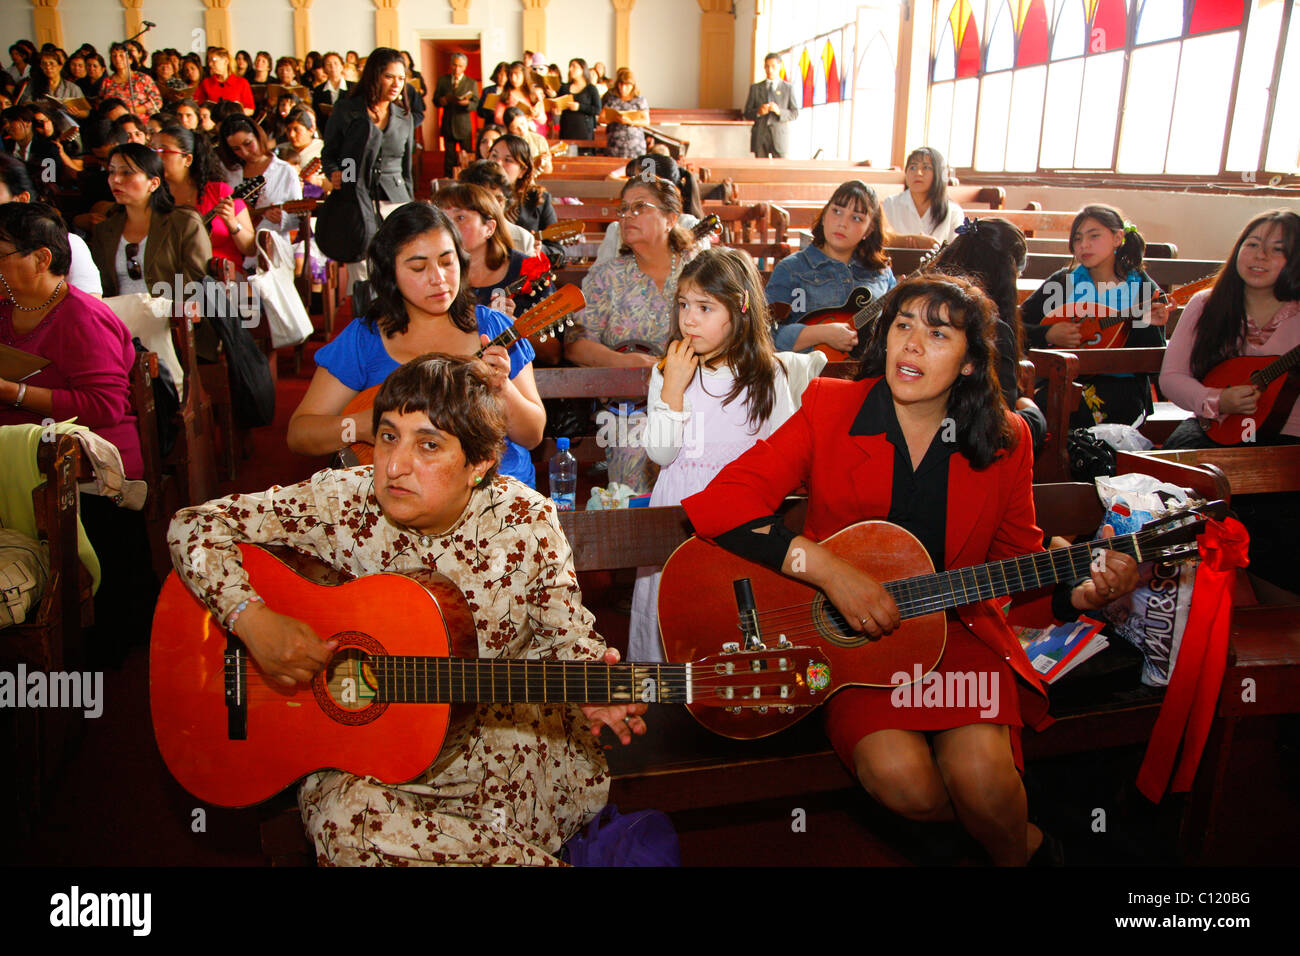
<point>665,51</point>
<point>580,28</point>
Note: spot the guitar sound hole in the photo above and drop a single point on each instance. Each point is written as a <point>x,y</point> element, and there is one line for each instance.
<point>347,689</point>
<point>832,627</point>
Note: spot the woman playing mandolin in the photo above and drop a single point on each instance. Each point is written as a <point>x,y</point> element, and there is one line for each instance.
<point>1109,273</point>
<point>422,304</point>
<point>1252,312</point>
<point>526,777</point>
<point>922,439</point>
<point>847,253</point>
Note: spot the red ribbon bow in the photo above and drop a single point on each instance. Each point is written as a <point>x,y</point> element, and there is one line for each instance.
<point>1193,694</point>
<point>533,268</point>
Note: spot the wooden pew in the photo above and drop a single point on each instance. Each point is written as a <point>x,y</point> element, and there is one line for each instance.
<point>803,203</point>
<point>1062,369</point>
<point>1253,470</point>
<point>50,639</point>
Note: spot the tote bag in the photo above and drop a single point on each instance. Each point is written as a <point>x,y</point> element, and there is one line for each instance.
<point>281,304</point>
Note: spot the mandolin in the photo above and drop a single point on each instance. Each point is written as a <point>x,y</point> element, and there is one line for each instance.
<point>1105,328</point>
<point>247,190</point>
<point>859,311</point>
<point>777,611</point>
<point>566,233</point>
<point>1278,393</point>
<point>548,317</point>
<point>399,689</point>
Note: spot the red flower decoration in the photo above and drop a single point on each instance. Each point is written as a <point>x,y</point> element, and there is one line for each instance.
<point>533,268</point>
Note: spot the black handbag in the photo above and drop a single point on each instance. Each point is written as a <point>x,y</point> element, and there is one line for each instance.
<point>346,223</point>
<point>1090,457</point>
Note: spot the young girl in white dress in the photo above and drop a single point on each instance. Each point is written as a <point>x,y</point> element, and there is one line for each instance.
<point>721,387</point>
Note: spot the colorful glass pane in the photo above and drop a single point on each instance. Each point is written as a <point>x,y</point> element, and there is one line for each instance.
<point>1109,25</point>
<point>966,39</point>
<point>1031,26</point>
<point>1210,15</point>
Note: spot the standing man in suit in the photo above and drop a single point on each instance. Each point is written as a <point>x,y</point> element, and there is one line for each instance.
<point>771,106</point>
<point>326,96</point>
<point>457,95</point>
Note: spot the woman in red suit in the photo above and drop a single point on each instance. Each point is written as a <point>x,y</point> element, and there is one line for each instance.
<point>922,439</point>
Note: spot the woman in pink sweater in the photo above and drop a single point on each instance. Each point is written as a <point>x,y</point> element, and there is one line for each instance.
<point>1253,309</point>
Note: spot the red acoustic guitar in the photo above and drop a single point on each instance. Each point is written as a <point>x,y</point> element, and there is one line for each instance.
<point>1278,394</point>
<point>396,691</point>
<point>1105,328</point>
<point>777,611</point>
<point>548,317</point>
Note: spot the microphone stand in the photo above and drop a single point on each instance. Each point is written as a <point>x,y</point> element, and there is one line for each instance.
<point>130,85</point>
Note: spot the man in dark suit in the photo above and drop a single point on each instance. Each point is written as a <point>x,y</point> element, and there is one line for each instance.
<point>457,95</point>
<point>332,90</point>
<point>771,105</point>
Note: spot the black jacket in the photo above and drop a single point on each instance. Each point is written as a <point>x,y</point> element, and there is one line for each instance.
<point>349,135</point>
<point>580,123</point>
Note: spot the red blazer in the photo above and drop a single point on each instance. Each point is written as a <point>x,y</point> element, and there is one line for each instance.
<point>990,513</point>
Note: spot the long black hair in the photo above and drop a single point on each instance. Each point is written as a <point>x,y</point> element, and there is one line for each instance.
<point>855,194</point>
<point>938,194</point>
<point>993,253</point>
<point>1128,257</point>
<point>204,167</point>
<point>148,162</point>
<point>404,224</point>
<point>975,402</point>
<point>1222,327</point>
<point>368,85</point>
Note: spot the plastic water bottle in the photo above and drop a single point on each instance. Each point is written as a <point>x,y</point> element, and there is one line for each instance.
<point>564,476</point>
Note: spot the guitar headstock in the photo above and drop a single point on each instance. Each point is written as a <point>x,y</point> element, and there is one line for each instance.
<point>248,189</point>
<point>706,227</point>
<point>773,677</point>
<point>550,316</point>
<point>1172,538</point>
<point>310,170</point>
<point>565,233</point>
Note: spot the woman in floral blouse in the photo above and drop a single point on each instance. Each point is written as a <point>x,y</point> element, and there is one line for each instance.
<point>622,139</point>
<point>135,88</point>
<point>527,777</point>
<point>630,303</point>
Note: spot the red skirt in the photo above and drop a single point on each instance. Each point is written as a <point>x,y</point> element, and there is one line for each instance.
<point>973,684</point>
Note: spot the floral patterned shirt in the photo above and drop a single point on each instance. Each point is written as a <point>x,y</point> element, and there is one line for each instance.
<point>141,96</point>
<point>624,304</point>
<point>621,139</point>
<point>534,766</point>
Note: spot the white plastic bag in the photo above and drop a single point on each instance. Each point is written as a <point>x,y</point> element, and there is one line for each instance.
<point>1152,617</point>
<point>280,301</point>
<point>150,320</point>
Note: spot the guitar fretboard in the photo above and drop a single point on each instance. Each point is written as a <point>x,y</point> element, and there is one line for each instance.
<point>927,593</point>
<point>447,680</point>
<point>1283,364</point>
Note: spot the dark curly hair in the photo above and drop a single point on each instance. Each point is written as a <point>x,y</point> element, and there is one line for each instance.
<point>975,401</point>
<point>403,225</point>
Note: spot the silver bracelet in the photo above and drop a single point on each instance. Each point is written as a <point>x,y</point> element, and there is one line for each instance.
<point>22,393</point>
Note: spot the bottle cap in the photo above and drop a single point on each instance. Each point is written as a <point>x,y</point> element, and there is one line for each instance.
<point>561,444</point>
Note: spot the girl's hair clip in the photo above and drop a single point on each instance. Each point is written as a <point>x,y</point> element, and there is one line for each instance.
<point>1130,229</point>
<point>969,227</point>
<point>744,302</point>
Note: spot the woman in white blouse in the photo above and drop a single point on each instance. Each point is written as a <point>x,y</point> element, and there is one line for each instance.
<point>247,152</point>
<point>922,215</point>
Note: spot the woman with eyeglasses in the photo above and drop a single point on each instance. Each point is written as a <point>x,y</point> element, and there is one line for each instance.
<point>194,177</point>
<point>922,216</point>
<point>88,378</point>
<point>630,305</point>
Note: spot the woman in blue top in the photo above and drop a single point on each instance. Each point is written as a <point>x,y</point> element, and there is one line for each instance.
<point>416,264</point>
<point>1109,272</point>
<point>847,253</point>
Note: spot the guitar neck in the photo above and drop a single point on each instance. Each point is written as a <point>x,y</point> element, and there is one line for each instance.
<point>871,311</point>
<point>928,593</point>
<point>444,680</point>
<point>1279,366</point>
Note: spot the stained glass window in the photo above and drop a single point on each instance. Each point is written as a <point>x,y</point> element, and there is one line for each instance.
<point>1210,15</point>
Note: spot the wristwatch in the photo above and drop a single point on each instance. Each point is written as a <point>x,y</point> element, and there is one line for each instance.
<point>238,228</point>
